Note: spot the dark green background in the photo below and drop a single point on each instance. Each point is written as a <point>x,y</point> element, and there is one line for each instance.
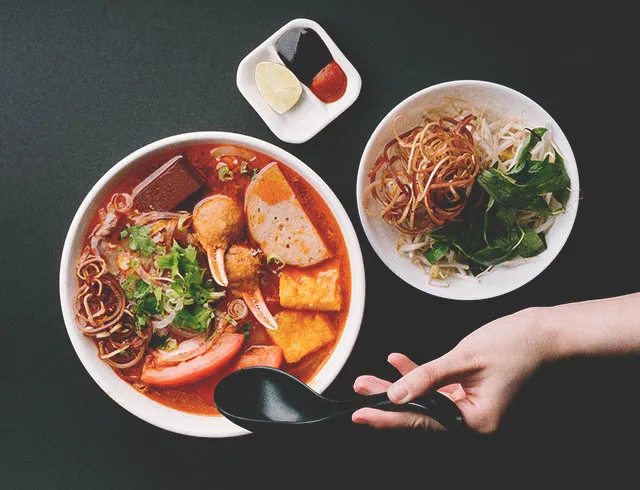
<point>83,84</point>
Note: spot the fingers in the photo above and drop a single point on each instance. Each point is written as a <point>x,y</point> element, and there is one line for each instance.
<point>455,392</point>
<point>402,363</point>
<point>381,419</point>
<point>423,378</point>
<point>370,385</point>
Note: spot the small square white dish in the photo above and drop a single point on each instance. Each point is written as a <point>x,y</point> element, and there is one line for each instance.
<point>310,115</point>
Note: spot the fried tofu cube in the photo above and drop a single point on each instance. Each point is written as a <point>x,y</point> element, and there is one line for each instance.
<point>300,333</point>
<point>312,288</point>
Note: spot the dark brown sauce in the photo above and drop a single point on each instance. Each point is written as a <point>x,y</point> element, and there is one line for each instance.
<point>197,398</point>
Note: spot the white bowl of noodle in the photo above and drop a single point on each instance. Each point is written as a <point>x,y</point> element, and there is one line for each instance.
<point>503,119</point>
<point>113,385</point>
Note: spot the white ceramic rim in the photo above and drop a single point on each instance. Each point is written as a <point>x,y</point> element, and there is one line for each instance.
<point>451,292</point>
<point>142,406</point>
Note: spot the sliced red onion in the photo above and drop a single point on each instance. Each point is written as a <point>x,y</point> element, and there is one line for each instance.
<point>222,151</point>
<point>164,322</point>
<point>187,349</point>
<point>144,218</point>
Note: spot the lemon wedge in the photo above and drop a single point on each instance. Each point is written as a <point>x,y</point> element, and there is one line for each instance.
<point>278,86</point>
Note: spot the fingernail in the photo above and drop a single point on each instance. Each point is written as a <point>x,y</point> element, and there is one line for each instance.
<point>397,392</point>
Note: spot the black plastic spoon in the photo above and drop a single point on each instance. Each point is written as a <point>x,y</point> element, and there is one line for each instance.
<point>262,399</point>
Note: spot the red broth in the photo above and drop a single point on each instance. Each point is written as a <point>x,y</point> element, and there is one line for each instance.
<point>197,398</point>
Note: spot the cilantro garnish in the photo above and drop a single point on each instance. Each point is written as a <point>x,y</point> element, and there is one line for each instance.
<point>139,240</point>
<point>198,319</point>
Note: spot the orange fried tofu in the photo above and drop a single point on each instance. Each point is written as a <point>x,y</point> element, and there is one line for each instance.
<point>301,332</point>
<point>312,288</point>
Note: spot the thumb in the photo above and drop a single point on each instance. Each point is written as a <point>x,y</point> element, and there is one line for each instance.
<point>428,377</point>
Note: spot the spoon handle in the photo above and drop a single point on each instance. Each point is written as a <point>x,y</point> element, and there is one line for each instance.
<point>434,405</point>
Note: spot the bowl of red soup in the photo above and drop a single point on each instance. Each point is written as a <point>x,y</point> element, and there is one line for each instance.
<point>201,254</point>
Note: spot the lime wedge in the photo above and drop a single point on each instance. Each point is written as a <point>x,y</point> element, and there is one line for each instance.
<point>278,86</point>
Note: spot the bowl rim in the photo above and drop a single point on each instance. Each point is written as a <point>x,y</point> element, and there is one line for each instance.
<point>193,424</point>
<point>451,293</point>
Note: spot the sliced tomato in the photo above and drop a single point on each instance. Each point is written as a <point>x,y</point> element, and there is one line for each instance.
<point>265,355</point>
<point>197,368</point>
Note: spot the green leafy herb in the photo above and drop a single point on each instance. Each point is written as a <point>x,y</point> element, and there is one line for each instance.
<point>506,192</point>
<point>179,261</point>
<point>129,286</point>
<point>502,236</point>
<point>524,153</point>
<point>562,194</point>
<point>124,233</point>
<point>148,300</point>
<point>531,245</point>
<point>246,330</point>
<point>142,289</point>
<point>254,172</point>
<point>436,252</point>
<point>163,343</point>
<point>157,342</point>
<point>140,241</point>
<point>198,319</point>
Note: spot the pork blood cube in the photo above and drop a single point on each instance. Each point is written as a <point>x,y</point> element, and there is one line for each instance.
<point>167,187</point>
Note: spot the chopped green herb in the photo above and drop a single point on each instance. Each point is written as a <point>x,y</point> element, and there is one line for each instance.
<point>140,241</point>
<point>197,320</point>
<point>231,320</point>
<point>246,330</point>
<point>225,173</point>
<point>179,260</point>
<point>157,342</point>
<point>129,286</point>
<point>254,172</point>
<point>275,263</point>
<point>124,233</point>
<point>141,320</point>
<point>163,343</point>
<point>142,289</point>
<point>148,300</point>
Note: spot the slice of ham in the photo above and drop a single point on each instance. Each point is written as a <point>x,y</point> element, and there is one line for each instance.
<point>278,222</point>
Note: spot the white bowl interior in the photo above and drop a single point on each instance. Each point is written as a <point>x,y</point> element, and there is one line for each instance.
<point>119,390</point>
<point>382,236</point>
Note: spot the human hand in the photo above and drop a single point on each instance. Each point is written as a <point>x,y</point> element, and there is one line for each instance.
<point>481,375</point>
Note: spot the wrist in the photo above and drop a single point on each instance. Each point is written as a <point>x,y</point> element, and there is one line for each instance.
<point>544,335</point>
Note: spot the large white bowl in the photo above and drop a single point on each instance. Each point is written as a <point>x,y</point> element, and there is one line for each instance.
<point>382,236</point>
<point>119,390</point>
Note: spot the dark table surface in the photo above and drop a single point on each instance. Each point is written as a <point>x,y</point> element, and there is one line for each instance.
<point>83,84</point>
